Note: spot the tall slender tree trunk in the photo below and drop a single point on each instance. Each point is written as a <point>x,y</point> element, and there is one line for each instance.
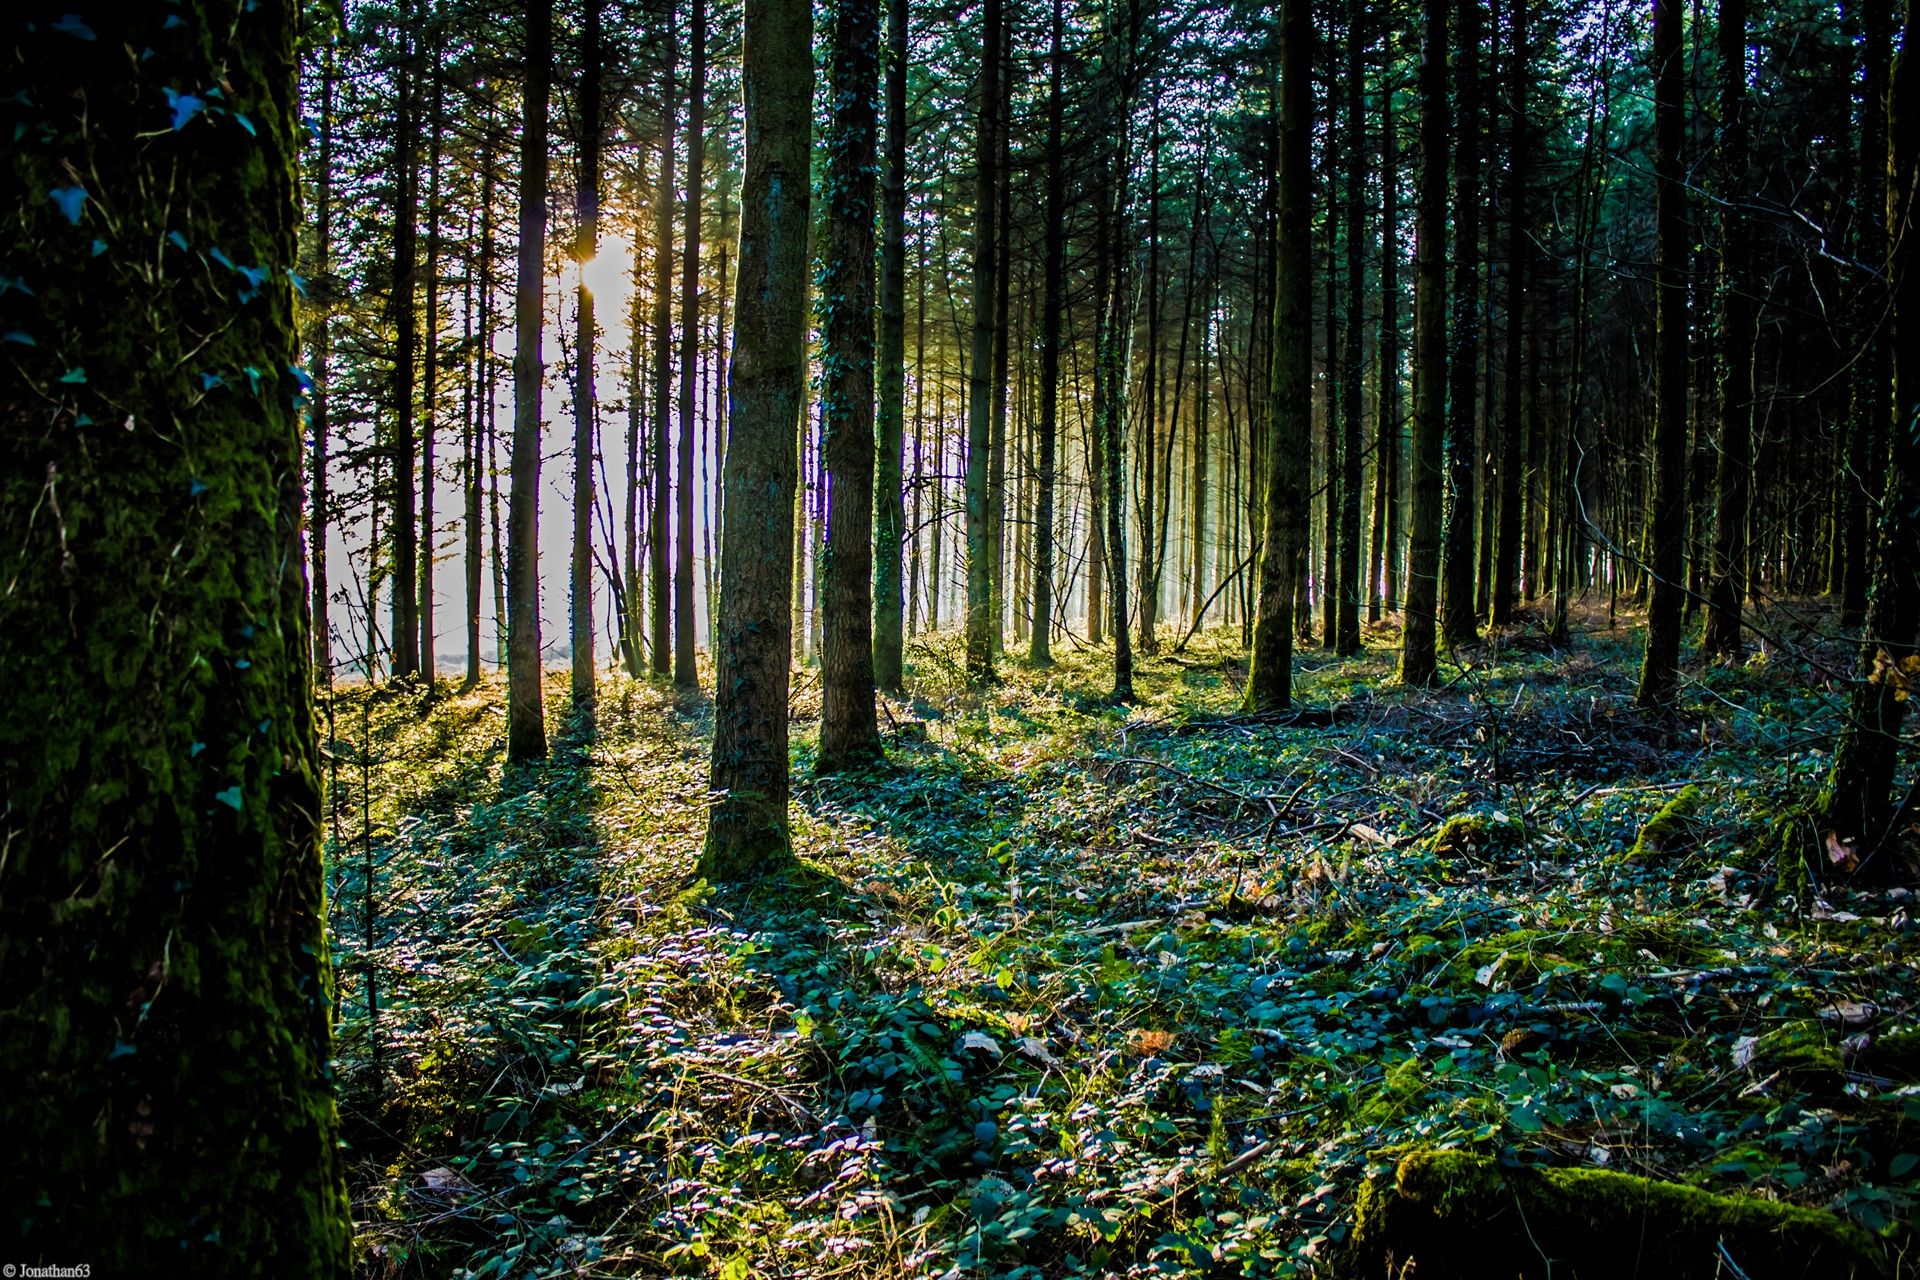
<point>890,424</point>
<point>659,536</point>
<point>586,246</point>
<point>430,383</point>
<point>526,713</point>
<point>1352,371</point>
<point>1458,623</point>
<point>1387,534</point>
<point>1002,339</point>
<point>1870,427</point>
<point>1514,432</point>
<point>163,963</point>
<point>1667,507</point>
<point>766,382</point>
<point>1113,335</point>
<point>986,267</point>
<point>1053,253</point>
<point>1288,412</point>
<point>686,671</point>
<point>1418,661</point>
<point>1858,800</point>
<point>1727,593</point>
<point>849,733</point>
<point>319,503</point>
<point>404,634</point>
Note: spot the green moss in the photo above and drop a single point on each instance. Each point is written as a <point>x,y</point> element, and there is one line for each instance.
<point>1452,1214</point>
<point>1673,829</point>
<point>1477,835</point>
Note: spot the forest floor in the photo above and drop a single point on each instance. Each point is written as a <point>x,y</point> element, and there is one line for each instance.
<point>1074,989</point>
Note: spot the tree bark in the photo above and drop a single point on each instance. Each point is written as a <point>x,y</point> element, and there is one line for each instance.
<point>1054,268</point>
<point>405,630</point>
<point>526,714</point>
<point>1348,639</point>
<point>659,536</point>
<point>1514,427</point>
<point>889,489</point>
<point>1458,623</point>
<point>164,984</point>
<point>1288,411</point>
<point>1728,590</point>
<point>686,670</point>
<point>1418,662</point>
<point>766,383</point>
<point>586,246</point>
<point>849,732</point>
<point>1667,507</point>
<point>986,267</point>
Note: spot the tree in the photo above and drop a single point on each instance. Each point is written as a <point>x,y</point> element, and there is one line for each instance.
<point>888,479</point>
<point>586,247</point>
<point>980,620</point>
<point>161,951</point>
<point>1513,426</point>
<point>401,308</point>
<point>1384,553</point>
<point>1418,662</point>
<point>1458,623</point>
<point>849,733</point>
<point>1857,803</point>
<point>1735,346</point>
<point>747,824</point>
<point>1289,404</point>
<point>526,713</point>
<point>659,537</point>
<point>1347,640</point>
<point>1667,514</point>
<point>686,672</point>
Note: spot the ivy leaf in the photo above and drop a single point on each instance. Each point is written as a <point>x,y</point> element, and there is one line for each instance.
<point>230,797</point>
<point>71,25</point>
<point>245,123</point>
<point>1902,1164</point>
<point>70,200</point>
<point>185,107</point>
<point>15,335</point>
<point>74,375</point>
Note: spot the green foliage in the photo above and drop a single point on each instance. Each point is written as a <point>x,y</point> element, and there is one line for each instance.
<point>1073,990</point>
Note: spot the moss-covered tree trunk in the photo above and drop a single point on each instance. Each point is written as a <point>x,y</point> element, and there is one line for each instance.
<point>849,734</point>
<point>1860,786</point>
<point>888,482</point>
<point>1667,495</point>
<point>164,986</point>
<point>526,714</point>
<point>1418,662</point>
<point>1288,411</point>
<point>766,384</point>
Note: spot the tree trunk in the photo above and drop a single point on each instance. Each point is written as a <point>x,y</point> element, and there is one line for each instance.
<point>1856,805</point>
<point>586,246</point>
<point>1053,253</point>
<point>1348,639</point>
<point>430,386</point>
<point>1458,623</point>
<point>404,634</point>
<point>1514,427</point>
<point>1667,507</point>
<point>889,492</point>
<point>980,393</point>
<point>766,384</point>
<point>526,715</point>
<point>1287,414</point>
<point>164,984</point>
<point>319,504</point>
<point>1870,427</point>
<point>1418,661</point>
<point>1728,591</point>
<point>659,539</point>
<point>686,671</point>
<point>1387,534</point>
<point>849,733</point>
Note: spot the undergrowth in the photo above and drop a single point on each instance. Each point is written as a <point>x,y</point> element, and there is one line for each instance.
<point>1073,989</point>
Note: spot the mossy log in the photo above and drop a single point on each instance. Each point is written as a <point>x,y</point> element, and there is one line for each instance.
<point>1453,1215</point>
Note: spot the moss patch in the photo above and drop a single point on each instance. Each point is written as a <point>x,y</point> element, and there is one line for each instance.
<point>1446,1214</point>
<point>1671,830</point>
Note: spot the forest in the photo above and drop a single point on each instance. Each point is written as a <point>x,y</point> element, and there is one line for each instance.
<point>960,638</point>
